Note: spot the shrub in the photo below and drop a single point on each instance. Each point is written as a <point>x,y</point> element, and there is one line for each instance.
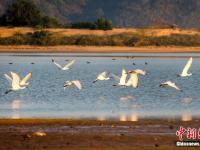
<point>100,24</point>
<point>45,38</point>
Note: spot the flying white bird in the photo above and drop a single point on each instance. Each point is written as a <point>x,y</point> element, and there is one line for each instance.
<point>15,82</point>
<point>134,80</point>
<point>76,83</point>
<point>102,76</point>
<point>186,69</point>
<point>23,82</point>
<point>169,84</point>
<point>122,79</point>
<point>65,67</point>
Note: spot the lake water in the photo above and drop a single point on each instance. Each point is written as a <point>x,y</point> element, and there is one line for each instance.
<point>46,98</point>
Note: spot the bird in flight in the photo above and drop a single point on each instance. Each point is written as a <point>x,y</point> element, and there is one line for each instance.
<point>65,67</point>
<point>133,80</point>
<point>16,83</point>
<point>170,84</point>
<point>76,83</point>
<point>102,76</point>
<point>186,69</point>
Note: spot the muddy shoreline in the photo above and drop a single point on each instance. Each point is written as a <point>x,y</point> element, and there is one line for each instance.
<point>90,134</point>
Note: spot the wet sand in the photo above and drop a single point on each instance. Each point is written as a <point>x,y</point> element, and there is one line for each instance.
<point>95,49</point>
<point>62,134</point>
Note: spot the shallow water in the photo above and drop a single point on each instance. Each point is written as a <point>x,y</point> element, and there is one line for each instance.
<point>45,96</point>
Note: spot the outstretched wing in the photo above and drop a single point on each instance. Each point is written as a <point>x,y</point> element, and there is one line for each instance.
<point>123,77</point>
<point>58,65</point>
<point>139,71</point>
<point>15,80</point>
<point>104,74</point>
<point>187,66</point>
<point>77,84</point>
<point>173,85</point>
<point>8,78</point>
<point>69,64</point>
<point>117,78</point>
<point>170,84</point>
<point>25,79</point>
<point>133,81</point>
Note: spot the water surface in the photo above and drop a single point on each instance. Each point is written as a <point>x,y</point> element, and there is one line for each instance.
<point>45,96</point>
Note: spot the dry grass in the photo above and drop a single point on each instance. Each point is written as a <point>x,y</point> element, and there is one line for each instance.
<point>7,32</point>
<point>95,49</point>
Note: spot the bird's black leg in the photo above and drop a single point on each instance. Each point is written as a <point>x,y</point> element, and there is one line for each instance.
<point>8,91</point>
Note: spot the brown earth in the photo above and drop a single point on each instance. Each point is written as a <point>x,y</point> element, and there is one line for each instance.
<point>62,134</point>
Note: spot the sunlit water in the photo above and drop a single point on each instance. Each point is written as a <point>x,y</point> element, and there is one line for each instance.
<point>46,97</point>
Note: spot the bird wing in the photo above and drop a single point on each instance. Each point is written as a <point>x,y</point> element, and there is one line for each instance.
<point>15,80</point>
<point>25,79</point>
<point>69,64</point>
<point>104,74</point>
<point>133,80</point>
<point>117,78</point>
<point>187,66</point>
<point>123,77</point>
<point>139,71</point>
<point>173,85</point>
<point>58,65</point>
<point>8,78</point>
<point>77,84</point>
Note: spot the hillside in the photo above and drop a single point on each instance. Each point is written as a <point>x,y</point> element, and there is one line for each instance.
<point>137,13</point>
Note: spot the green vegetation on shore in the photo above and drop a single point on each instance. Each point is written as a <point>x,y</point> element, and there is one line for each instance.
<point>46,38</point>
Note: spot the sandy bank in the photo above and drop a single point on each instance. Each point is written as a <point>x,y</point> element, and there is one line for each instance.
<point>96,49</point>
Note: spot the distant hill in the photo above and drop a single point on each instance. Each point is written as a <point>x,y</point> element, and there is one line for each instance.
<point>136,13</point>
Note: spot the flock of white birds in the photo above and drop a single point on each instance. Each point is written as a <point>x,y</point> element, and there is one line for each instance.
<point>18,84</point>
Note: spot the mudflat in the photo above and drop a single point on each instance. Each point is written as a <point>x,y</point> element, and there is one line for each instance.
<point>64,134</point>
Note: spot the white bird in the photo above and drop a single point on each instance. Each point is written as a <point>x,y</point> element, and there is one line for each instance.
<point>134,80</point>
<point>16,83</point>
<point>122,79</point>
<point>22,82</point>
<point>102,76</point>
<point>138,71</point>
<point>186,68</point>
<point>65,67</point>
<point>170,84</point>
<point>76,83</point>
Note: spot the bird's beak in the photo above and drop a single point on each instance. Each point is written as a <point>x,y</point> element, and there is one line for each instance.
<point>65,87</point>
<point>161,86</point>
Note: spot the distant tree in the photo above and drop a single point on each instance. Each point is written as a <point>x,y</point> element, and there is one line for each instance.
<point>22,13</point>
<point>49,22</point>
<point>103,24</point>
<point>83,25</point>
<point>25,13</point>
<point>100,24</point>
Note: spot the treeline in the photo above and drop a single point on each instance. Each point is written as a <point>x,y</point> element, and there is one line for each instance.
<point>25,13</point>
<point>45,38</point>
<point>100,24</point>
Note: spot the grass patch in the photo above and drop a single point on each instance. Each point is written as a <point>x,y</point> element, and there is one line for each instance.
<point>47,38</point>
